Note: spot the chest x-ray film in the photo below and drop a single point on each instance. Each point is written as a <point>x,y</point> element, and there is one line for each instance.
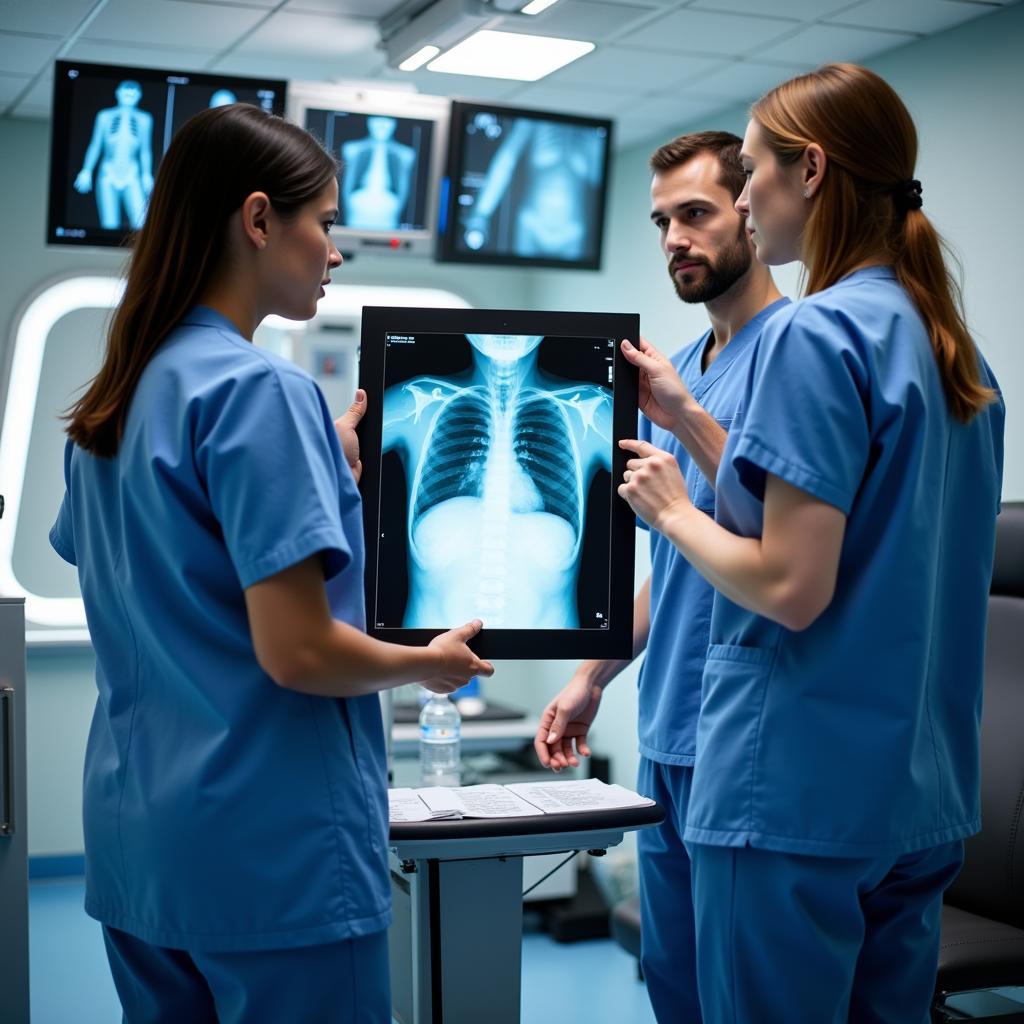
<point>490,478</point>
<point>525,187</point>
<point>385,167</point>
<point>111,127</point>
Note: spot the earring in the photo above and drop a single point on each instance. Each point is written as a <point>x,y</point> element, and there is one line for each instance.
<point>807,193</point>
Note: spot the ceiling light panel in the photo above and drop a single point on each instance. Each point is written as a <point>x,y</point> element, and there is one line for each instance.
<point>511,55</point>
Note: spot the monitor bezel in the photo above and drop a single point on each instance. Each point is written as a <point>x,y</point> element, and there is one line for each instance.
<point>617,640</point>
<point>303,96</point>
<point>60,134</point>
<point>448,252</point>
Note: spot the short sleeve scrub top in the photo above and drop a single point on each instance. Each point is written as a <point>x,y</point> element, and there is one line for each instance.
<point>222,812</point>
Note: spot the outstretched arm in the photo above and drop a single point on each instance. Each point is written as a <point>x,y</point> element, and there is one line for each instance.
<point>302,647</point>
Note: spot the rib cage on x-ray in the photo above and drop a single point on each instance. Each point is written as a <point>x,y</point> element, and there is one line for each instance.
<point>477,430</point>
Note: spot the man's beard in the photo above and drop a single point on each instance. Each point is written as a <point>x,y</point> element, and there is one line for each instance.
<point>729,266</point>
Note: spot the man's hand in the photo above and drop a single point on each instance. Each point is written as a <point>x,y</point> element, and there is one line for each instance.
<point>345,425</point>
<point>566,719</point>
<point>664,398</point>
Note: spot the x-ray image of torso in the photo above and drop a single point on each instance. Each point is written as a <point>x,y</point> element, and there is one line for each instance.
<point>498,463</point>
<point>122,145</point>
<point>376,175</point>
<point>556,167</point>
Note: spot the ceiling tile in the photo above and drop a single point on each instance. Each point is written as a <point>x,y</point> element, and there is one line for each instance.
<point>314,35</point>
<point>362,8</point>
<point>173,59</point>
<point>173,23</point>
<point>26,55</point>
<point>801,10</point>
<point>49,17</point>
<point>576,19</point>
<point>819,44</point>
<point>689,31</point>
<point>609,66</point>
<point>264,4</point>
<point>746,80</point>
<point>38,101</point>
<point>10,86</point>
<point>302,68</point>
<point>910,15</point>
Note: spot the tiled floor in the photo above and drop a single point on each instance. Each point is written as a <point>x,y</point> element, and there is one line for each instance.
<point>593,981</point>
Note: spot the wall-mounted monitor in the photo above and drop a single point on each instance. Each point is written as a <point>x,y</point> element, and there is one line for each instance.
<point>490,463</point>
<point>391,146</point>
<point>111,127</point>
<point>525,187</point>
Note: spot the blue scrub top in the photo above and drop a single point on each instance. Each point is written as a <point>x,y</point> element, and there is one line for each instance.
<point>222,811</point>
<point>859,735</point>
<point>681,599</point>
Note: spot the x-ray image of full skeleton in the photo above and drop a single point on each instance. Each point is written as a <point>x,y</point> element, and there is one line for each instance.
<point>498,463</point>
<point>376,176</point>
<point>122,144</point>
<point>559,164</point>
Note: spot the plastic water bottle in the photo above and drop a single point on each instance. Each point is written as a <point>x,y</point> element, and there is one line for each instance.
<point>440,726</point>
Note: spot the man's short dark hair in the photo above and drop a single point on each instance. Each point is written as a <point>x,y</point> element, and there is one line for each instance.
<point>723,145</point>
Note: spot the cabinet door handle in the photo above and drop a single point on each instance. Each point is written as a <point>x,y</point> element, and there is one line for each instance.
<point>7,760</point>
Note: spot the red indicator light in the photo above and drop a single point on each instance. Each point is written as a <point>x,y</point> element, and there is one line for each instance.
<point>395,243</point>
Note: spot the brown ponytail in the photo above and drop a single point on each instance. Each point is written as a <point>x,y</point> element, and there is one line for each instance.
<point>217,159</point>
<point>861,215</point>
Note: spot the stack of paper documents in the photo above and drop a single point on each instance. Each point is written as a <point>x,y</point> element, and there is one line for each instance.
<point>519,799</point>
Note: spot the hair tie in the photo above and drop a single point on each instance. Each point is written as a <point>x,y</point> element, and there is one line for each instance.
<point>907,195</point>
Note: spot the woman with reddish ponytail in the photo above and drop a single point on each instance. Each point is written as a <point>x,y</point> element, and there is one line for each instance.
<point>837,747</point>
<point>235,803</point>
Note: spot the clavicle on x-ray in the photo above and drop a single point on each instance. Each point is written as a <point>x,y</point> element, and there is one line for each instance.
<point>498,463</point>
<point>122,144</point>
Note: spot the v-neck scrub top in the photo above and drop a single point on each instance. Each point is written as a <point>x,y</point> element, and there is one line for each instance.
<point>222,812</point>
<point>857,736</point>
<point>681,599</point>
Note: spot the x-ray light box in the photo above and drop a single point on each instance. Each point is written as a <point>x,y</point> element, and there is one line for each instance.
<point>111,127</point>
<point>390,145</point>
<point>525,187</point>
<point>490,455</point>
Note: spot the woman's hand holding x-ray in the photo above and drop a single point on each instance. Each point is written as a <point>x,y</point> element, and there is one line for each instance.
<point>456,663</point>
<point>345,426</point>
<point>652,483</point>
<point>664,397</point>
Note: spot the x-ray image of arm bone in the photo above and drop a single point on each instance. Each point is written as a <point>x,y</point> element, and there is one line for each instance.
<point>122,145</point>
<point>560,165</point>
<point>498,463</point>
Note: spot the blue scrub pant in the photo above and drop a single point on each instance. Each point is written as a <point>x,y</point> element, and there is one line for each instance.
<point>339,983</point>
<point>818,940</point>
<point>667,934</point>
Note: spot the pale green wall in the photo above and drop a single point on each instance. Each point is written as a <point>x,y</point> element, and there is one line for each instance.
<point>966,91</point>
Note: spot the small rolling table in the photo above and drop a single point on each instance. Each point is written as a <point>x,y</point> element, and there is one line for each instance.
<point>456,940</point>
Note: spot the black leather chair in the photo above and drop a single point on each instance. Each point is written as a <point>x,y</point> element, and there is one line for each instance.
<point>982,943</point>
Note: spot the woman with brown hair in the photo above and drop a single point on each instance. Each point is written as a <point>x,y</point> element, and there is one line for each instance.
<point>235,792</point>
<point>837,748</point>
